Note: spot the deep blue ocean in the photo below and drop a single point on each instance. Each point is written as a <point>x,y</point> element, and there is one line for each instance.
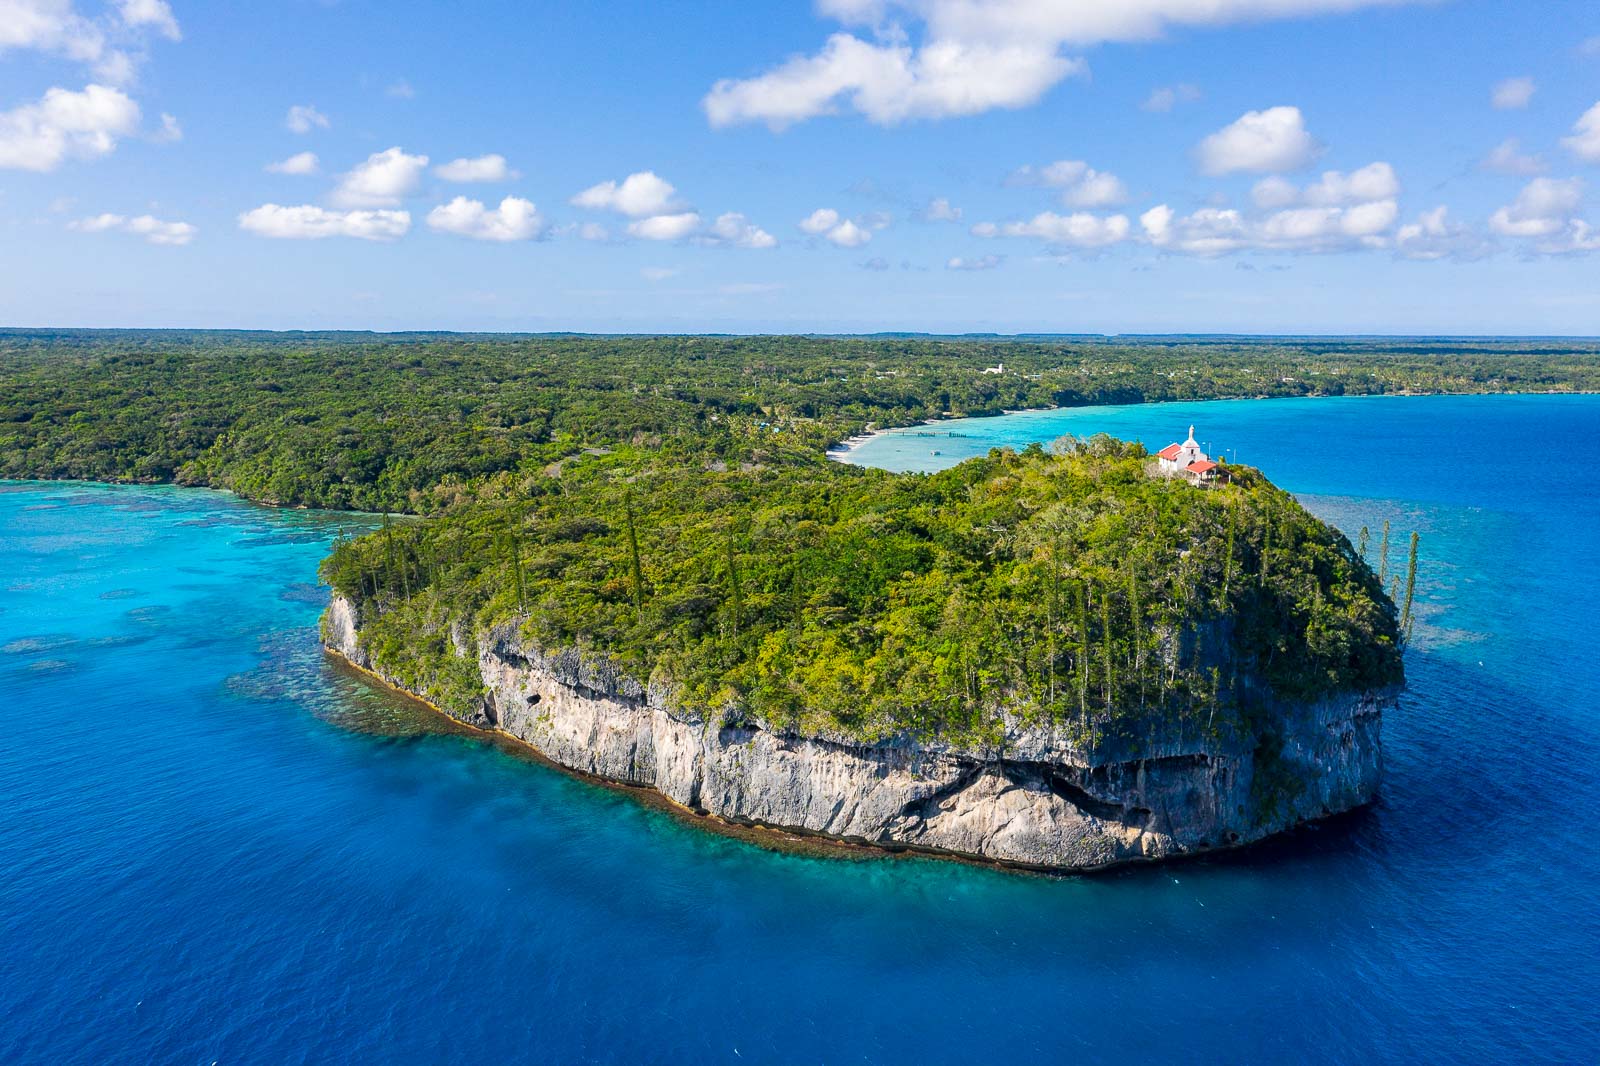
<point>215,846</point>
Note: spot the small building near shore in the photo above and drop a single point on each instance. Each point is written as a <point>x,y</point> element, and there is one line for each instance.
<point>1186,460</point>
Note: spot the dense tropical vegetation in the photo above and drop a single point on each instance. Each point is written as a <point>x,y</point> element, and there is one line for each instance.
<point>664,502</point>
<point>1068,586</point>
<point>405,422</point>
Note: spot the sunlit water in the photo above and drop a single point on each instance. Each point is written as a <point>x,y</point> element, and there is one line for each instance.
<point>215,846</point>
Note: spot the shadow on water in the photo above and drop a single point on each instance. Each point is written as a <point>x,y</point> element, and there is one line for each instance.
<point>1472,767</point>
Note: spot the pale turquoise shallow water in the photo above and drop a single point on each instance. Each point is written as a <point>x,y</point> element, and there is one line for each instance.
<point>217,847</point>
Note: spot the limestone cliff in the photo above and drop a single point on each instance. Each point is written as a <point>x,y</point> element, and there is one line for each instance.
<point>1042,801</point>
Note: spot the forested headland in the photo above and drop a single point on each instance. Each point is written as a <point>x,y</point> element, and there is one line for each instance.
<point>664,502</point>
<point>407,422</point>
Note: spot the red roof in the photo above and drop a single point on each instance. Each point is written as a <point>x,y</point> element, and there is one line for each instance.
<point>1203,467</point>
<point>1169,452</point>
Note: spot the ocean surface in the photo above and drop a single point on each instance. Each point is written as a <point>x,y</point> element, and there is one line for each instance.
<point>218,847</point>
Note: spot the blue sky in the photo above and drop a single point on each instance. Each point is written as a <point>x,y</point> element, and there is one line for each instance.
<point>1261,166</point>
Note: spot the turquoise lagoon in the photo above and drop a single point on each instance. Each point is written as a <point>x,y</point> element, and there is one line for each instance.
<point>218,847</point>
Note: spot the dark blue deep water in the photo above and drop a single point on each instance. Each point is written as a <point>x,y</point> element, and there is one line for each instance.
<point>216,847</point>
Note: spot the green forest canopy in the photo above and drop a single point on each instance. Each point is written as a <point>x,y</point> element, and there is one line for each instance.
<point>664,502</point>
<point>404,422</point>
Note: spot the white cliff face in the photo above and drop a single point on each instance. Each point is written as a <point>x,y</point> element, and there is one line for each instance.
<point>341,632</point>
<point>1042,803</point>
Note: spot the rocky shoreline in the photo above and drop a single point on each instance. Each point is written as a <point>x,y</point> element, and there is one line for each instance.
<point>1043,802</point>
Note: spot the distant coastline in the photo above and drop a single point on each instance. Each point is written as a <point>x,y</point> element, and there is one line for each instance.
<point>841,451</point>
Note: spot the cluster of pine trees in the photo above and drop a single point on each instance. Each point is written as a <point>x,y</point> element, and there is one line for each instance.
<point>1067,586</point>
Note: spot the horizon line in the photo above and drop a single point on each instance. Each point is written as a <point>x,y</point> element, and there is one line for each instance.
<point>816,334</point>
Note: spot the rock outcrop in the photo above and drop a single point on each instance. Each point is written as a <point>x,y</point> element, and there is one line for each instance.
<point>1043,801</point>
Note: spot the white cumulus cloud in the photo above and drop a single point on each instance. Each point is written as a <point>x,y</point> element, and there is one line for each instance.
<point>1341,212</point>
<point>1509,158</point>
<point>111,45</point>
<point>732,228</point>
<point>1259,142</point>
<point>386,178</point>
<point>1433,236</point>
<point>1081,229</point>
<point>637,195</point>
<point>848,234</point>
<point>50,26</point>
<point>308,222</point>
<point>890,82</point>
<point>1585,140</point>
<point>483,168</point>
<point>819,221</point>
<point>1081,185</point>
<point>1372,183</point>
<point>982,262</point>
<point>301,164</point>
<point>303,118</point>
<point>828,224</point>
<point>941,210</point>
<point>1540,209</point>
<point>1546,215</point>
<point>515,219</point>
<point>156,14</point>
<point>97,223</point>
<point>1513,94</point>
<point>668,227</point>
<point>939,58</point>
<point>65,125</point>
<point>1167,97</point>
<point>1275,192</point>
<point>152,229</point>
<point>1375,181</point>
<point>171,131</point>
<point>1578,237</point>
